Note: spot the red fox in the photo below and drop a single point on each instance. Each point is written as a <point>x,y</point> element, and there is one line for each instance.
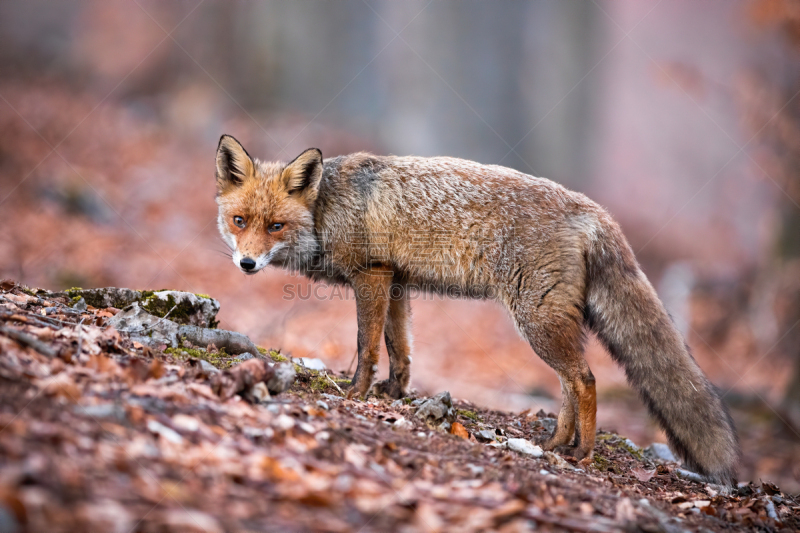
<point>555,259</point>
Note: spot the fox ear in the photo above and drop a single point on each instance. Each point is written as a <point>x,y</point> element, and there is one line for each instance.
<point>234,164</point>
<point>304,173</point>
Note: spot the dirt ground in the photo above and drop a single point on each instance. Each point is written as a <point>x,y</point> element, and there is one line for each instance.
<point>100,433</point>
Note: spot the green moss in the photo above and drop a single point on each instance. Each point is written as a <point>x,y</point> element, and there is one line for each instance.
<point>158,307</point>
<point>277,357</point>
<point>319,383</point>
<point>636,453</point>
<point>200,295</point>
<point>74,293</point>
<point>408,401</point>
<point>469,414</point>
<point>219,359</point>
<point>601,463</point>
<point>616,441</point>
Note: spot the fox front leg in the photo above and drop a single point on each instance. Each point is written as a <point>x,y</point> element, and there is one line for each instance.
<point>398,343</point>
<point>372,303</point>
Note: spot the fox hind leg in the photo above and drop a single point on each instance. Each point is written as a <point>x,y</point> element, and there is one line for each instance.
<point>551,320</point>
<point>562,351</point>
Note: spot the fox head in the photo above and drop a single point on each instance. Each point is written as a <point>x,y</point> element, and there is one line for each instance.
<point>266,209</point>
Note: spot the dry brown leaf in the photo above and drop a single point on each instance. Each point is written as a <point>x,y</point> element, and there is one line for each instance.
<point>62,386</point>
<point>643,475</point>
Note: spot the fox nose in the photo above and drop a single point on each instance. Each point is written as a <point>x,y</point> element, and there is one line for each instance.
<point>247,263</point>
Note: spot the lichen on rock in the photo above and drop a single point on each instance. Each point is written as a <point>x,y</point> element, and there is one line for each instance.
<point>183,307</point>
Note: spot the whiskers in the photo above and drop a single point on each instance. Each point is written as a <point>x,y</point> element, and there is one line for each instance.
<point>227,252</point>
<point>221,252</point>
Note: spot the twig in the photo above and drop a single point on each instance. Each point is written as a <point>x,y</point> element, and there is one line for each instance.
<point>334,383</point>
<point>80,338</point>
<point>351,363</point>
<point>28,320</point>
<point>29,341</point>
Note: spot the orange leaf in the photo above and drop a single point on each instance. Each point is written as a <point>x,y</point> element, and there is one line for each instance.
<point>459,430</point>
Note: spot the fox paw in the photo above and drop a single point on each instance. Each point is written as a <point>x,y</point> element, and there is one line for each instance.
<point>574,451</point>
<point>388,388</point>
<point>358,389</point>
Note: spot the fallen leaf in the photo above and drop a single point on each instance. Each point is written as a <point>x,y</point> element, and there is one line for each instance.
<point>459,430</point>
<point>642,474</point>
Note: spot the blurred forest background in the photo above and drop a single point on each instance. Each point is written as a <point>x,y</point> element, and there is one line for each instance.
<point>680,117</point>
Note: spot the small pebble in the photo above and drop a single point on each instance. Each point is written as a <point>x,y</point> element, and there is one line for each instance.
<point>322,405</point>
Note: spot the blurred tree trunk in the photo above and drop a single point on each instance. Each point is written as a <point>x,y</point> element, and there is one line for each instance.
<point>779,129</point>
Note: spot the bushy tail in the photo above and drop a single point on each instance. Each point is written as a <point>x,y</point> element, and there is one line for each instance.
<point>624,311</point>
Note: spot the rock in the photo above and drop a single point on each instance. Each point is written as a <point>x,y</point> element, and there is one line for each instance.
<point>284,422</point>
<point>283,379</point>
<point>402,424</point>
<point>332,397</point>
<point>444,426</point>
<point>183,307</point>
<point>8,520</point>
<point>102,410</point>
<point>244,356</point>
<point>207,368</point>
<point>80,305</point>
<point>691,476</point>
<point>557,461</point>
<point>105,297</point>
<point>231,341</point>
<point>525,447</point>
<point>548,424</point>
<point>322,405</point>
<point>145,328</point>
<point>167,433</point>
<point>153,331</point>
<point>260,393</point>
<point>475,470</point>
<point>630,444</point>
<point>660,452</point>
<point>312,363</point>
<point>436,408</point>
<point>486,435</point>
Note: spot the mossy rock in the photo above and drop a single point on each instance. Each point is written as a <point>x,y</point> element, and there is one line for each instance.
<point>219,359</point>
<point>104,297</point>
<point>469,414</point>
<point>183,307</point>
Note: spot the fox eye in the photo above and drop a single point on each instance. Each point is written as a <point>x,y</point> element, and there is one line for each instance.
<point>275,226</point>
<point>238,221</point>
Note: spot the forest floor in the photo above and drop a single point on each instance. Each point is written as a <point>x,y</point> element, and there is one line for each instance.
<point>101,433</point>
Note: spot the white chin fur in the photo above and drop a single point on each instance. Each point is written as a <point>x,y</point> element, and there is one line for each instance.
<point>261,261</point>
